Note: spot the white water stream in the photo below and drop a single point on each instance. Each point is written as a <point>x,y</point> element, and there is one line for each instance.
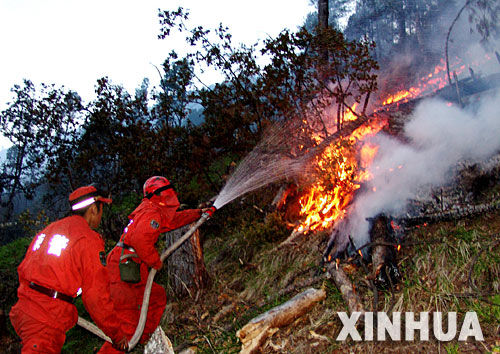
<point>268,162</point>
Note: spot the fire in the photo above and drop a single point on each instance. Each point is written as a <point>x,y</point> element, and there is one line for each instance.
<point>349,115</point>
<point>341,168</point>
<point>435,80</point>
<point>344,164</point>
<point>395,226</point>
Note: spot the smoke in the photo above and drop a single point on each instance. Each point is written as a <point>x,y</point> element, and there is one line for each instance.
<point>421,62</point>
<point>439,136</point>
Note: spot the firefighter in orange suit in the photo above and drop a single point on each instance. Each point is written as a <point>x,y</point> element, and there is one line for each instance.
<point>63,260</point>
<point>156,214</point>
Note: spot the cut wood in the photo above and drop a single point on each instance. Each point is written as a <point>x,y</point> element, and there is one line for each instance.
<point>159,343</point>
<point>255,332</point>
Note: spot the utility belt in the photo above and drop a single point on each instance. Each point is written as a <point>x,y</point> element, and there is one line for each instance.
<point>52,293</point>
<point>130,271</point>
<point>126,247</point>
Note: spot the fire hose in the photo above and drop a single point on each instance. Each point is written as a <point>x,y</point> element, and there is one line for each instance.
<point>147,291</point>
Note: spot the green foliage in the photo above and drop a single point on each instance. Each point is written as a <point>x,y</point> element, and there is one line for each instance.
<point>42,126</point>
<point>32,224</point>
<point>488,312</point>
<point>119,140</point>
<point>11,256</point>
<point>238,110</point>
<point>251,234</point>
<point>269,230</point>
<point>452,348</point>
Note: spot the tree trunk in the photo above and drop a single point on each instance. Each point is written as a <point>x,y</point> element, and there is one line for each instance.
<point>323,14</point>
<point>401,23</point>
<point>322,26</point>
<point>185,267</point>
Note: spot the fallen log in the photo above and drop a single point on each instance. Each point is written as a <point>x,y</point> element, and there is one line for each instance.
<point>255,332</point>
<point>346,288</point>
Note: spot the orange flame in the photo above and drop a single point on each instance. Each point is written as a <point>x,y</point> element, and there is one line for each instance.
<point>395,226</point>
<point>350,116</point>
<point>432,82</point>
<point>342,168</point>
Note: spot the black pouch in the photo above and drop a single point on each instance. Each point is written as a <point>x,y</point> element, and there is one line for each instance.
<point>130,271</point>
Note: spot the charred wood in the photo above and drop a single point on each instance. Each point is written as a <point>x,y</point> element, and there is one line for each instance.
<point>449,215</point>
<point>385,272</point>
<point>472,74</point>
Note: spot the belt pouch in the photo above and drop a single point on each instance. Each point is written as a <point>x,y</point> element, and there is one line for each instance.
<point>130,271</point>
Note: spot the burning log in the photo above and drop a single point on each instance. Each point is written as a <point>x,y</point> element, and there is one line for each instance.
<point>384,266</point>
<point>255,332</point>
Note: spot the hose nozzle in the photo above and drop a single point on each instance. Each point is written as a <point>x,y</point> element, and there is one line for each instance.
<point>210,211</point>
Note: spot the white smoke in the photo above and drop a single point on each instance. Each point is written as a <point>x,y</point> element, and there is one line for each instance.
<point>439,136</point>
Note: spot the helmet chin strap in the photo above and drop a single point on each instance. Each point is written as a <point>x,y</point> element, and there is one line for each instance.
<point>158,191</point>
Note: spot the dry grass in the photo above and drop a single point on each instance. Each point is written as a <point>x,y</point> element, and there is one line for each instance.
<point>435,278</point>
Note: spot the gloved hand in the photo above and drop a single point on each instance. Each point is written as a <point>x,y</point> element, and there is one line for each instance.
<point>210,211</point>
<point>122,345</point>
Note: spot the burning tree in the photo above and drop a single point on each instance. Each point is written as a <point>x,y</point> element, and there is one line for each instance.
<point>297,86</point>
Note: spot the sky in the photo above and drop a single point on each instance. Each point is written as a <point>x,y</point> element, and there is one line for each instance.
<point>73,43</point>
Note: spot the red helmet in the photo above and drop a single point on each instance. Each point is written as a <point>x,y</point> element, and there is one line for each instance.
<point>158,189</point>
<point>155,185</point>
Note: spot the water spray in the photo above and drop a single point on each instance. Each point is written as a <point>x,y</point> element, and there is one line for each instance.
<point>264,165</point>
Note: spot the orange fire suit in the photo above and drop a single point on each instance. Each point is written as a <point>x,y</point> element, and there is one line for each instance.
<point>67,256</point>
<point>146,223</point>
